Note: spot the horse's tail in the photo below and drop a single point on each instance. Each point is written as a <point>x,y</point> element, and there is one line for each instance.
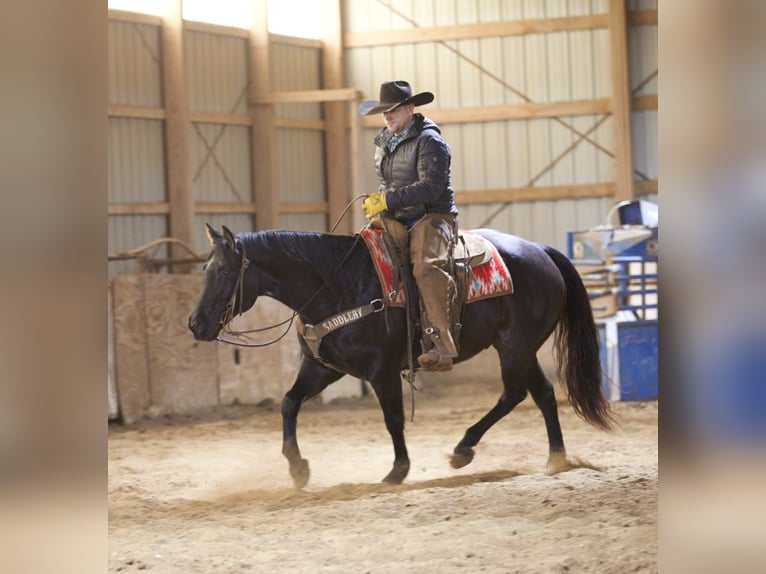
<point>576,343</point>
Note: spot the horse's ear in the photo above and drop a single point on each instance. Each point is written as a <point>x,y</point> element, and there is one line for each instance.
<point>212,234</point>
<point>229,237</point>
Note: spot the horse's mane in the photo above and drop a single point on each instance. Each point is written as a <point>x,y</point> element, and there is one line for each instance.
<point>324,253</point>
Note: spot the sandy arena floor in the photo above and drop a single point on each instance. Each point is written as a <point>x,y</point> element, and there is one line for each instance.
<point>215,495</point>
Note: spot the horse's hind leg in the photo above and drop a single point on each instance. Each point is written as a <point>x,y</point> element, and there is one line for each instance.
<point>514,391</point>
<point>311,380</point>
<point>541,390</point>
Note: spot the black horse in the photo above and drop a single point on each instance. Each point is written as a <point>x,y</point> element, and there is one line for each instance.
<point>321,275</point>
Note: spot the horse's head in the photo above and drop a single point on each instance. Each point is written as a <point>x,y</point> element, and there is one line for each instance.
<point>224,282</point>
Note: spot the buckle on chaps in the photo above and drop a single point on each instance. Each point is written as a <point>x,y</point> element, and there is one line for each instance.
<point>312,334</point>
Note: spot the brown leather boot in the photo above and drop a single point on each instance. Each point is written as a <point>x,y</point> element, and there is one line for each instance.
<point>439,357</point>
<point>434,362</point>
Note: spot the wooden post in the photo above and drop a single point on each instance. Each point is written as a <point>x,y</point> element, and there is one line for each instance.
<point>177,130</point>
<point>623,172</point>
<point>357,163</point>
<point>263,138</point>
<point>336,148</point>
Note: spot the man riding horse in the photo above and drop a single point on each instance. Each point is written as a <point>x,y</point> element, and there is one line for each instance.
<point>415,204</point>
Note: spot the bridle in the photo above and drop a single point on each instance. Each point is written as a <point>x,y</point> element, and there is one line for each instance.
<point>229,313</point>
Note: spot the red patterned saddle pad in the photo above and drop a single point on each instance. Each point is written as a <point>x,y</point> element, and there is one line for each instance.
<point>490,279</point>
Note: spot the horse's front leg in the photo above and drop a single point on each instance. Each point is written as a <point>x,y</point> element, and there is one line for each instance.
<point>388,388</point>
<point>311,380</point>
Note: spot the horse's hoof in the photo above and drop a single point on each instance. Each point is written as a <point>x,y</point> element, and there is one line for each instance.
<point>559,462</point>
<point>300,472</point>
<point>461,456</point>
<point>398,473</point>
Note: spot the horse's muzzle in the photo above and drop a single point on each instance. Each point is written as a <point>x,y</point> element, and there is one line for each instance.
<point>198,327</point>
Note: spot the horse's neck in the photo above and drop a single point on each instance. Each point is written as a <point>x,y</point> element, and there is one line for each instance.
<point>289,264</point>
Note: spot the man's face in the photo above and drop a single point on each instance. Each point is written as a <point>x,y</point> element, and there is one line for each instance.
<point>398,118</point>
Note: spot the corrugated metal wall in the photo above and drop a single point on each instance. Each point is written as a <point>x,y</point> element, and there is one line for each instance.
<point>300,151</point>
<point>136,150</point>
<point>217,76</point>
<point>643,62</point>
<point>558,66</point>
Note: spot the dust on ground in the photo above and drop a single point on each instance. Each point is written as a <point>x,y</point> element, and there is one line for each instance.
<point>213,493</point>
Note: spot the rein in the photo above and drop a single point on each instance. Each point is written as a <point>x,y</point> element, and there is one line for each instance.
<point>314,332</point>
<point>229,315</point>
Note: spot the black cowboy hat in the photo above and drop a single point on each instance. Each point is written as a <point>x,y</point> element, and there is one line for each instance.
<point>392,95</point>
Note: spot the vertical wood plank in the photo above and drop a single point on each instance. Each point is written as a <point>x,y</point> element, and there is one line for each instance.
<point>130,347</point>
<point>177,124</point>
<point>623,172</point>
<point>336,149</point>
<point>183,371</point>
<point>357,163</point>
<point>262,114</point>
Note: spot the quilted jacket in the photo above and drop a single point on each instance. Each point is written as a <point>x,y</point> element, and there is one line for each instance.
<point>416,174</point>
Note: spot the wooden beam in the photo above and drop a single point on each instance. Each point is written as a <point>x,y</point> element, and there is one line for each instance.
<point>224,207</point>
<point>263,167</point>
<point>249,207</point>
<point>138,208</point>
<point>621,100</point>
<point>231,31</point>
<point>177,122</point>
<point>308,96</point>
<point>647,187</point>
<point>221,118</point>
<point>138,112</point>
<point>208,28</point>
<point>642,18</point>
<point>335,156</point>
<point>303,207</point>
<point>150,113</point>
<point>504,112</point>
<point>162,208</point>
<point>358,163</point>
<point>534,193</point>
<point>134,17</point>
<point>299,123</point>
<point>296,41</point>
<point>644,103</point>
<point>472,31</point>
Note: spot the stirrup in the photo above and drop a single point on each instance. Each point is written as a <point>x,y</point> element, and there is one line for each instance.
<point>433,361</point>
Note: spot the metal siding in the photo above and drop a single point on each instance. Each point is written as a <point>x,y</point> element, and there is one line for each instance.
<point>304,221</point>
<point>133,64</point>
<point>300,152</point>
<point>643,57</point>
<point>216,72</point>
<point>545,67</point>
<point>642,5</point>
<point>644,126</point>
<point>225,174</point>
<point>236,222</point>
<point>126,232</point>
<point>602,77</point>
<point>300,166</point>
<point>136,165</point>
<point>643,62</point>
<point>296,68</point>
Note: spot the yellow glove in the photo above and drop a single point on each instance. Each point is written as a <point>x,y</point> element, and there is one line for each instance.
<point>374,204</point>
